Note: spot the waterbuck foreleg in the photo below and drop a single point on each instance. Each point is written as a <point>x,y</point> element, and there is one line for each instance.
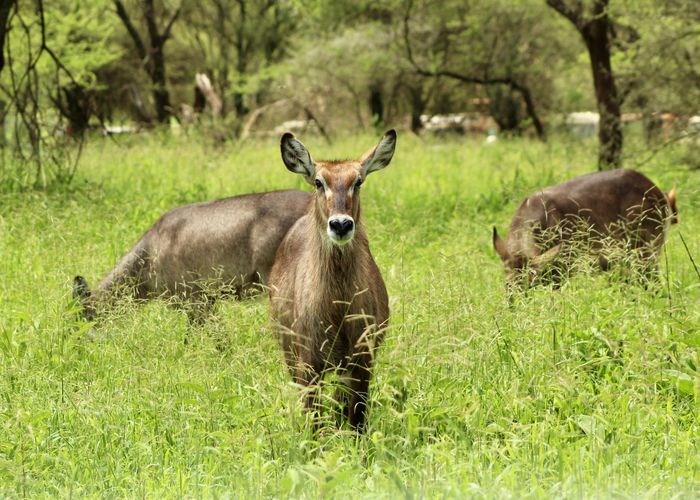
<point>309,377</point>
<point>356,392</point>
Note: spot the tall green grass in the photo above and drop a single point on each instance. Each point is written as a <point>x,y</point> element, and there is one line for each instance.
<point>591,390</point>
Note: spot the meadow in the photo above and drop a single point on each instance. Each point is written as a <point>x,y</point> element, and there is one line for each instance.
<point>592,390</point>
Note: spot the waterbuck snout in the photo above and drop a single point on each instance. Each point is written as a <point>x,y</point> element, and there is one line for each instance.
<point>586,213</point>
<point>327,296</point>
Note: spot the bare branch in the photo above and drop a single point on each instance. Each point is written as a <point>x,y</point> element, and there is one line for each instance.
<point>573,14</point>
<point>150,16</point>
<point>169,26</point>
<point>46,48</point>
<point>135,37</point>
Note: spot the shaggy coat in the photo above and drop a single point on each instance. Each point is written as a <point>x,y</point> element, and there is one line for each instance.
<point>623,205</point>
<point>199,252</point>
<point>328,298</point>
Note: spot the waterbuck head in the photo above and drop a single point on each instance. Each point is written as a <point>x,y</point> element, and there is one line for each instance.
<point>523,265</point>
<point>337,200</point>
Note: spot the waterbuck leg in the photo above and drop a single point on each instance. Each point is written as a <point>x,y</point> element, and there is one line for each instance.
<point>198,309</point>
<point>354,396</point>
<point>310,379</point>
<point>359,387</point>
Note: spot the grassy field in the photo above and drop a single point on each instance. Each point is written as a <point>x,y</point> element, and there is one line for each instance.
<point>592,390</point>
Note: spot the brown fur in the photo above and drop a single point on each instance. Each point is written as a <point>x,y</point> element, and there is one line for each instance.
<point>622,204</point>
<point>199,252</point>
<point>328,301</point>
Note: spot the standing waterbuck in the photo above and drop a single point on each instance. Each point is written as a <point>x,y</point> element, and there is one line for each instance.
<point>587,213</point>
<point>327,296</point>
<point>199,252</point>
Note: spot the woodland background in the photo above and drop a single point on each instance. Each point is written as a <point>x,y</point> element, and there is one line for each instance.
<point>70,67</point>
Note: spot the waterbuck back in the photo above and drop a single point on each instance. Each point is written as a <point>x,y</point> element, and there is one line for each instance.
<point>621,206</point>
<point>200,252</point>
<point>328,299</point>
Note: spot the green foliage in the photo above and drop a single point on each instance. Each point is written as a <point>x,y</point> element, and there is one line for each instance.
<point>79,35</point>
<point>82,38</point>
<point>660,44</point>
<point>591,390</point>
<point>48,52</point>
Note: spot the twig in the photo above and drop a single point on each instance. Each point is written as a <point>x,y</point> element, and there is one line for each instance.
<point>690,256</point>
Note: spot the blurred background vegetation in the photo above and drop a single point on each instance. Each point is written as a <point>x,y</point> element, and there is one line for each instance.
<point>236,69</point>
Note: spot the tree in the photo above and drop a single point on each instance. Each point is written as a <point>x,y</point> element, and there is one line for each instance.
<point>359,34</point>
<point>5,9</point>
<point>656,58</point>
<point>239,41</point>
<point>54,51</point>
<point>153,54</point>
<point>597,33</point>
<point>495,44</point>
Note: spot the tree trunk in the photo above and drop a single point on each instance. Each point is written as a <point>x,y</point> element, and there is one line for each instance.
<point>76,109</point>
<point>221,80</point>
<point>376,105</point>
<point>161,97</point>
<point>154,58</point>
<point>595,34</point>
<point>417,109</point>
<point>241,61</point>
<point>504,108</point>
<point>5,9</point>
<point>156,64</point>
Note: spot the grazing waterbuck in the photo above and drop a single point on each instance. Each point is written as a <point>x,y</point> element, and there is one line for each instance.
<point>327,297</point>
<point>586,213</point>
<point>197,253</point>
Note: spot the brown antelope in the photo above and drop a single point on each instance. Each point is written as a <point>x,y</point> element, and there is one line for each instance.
<point>328,298</point>
<point>621,205</point>
<point>199,252</point>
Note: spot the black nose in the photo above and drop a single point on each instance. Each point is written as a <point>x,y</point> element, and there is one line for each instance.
<point>341,227</point>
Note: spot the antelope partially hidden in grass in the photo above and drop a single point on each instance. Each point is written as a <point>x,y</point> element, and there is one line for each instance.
<point>328,298</point>
<point>618,206</point>
<point>200,252</point>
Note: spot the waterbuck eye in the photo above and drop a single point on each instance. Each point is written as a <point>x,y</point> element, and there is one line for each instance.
<point>359,182</point>
<point>319,184</point>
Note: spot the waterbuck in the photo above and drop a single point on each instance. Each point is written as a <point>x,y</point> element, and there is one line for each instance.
<point>196,253</point>
<point>327,296</point>
<point>619,206</point>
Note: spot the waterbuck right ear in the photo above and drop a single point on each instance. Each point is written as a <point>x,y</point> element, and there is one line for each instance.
<point>296,157</point>
<point>500,246</point>
<point>546,257</point>
<point>379,157</point>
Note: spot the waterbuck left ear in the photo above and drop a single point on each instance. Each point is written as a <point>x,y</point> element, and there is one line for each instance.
<point>500,246</point>
<point>380,156</point>
<point>296,157</point>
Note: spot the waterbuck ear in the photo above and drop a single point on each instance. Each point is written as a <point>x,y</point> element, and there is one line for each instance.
<point>296,157</point>
<point>500,246</point>
<point>545,257</point>
<point>379,157</point>
<point>81,289</point>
